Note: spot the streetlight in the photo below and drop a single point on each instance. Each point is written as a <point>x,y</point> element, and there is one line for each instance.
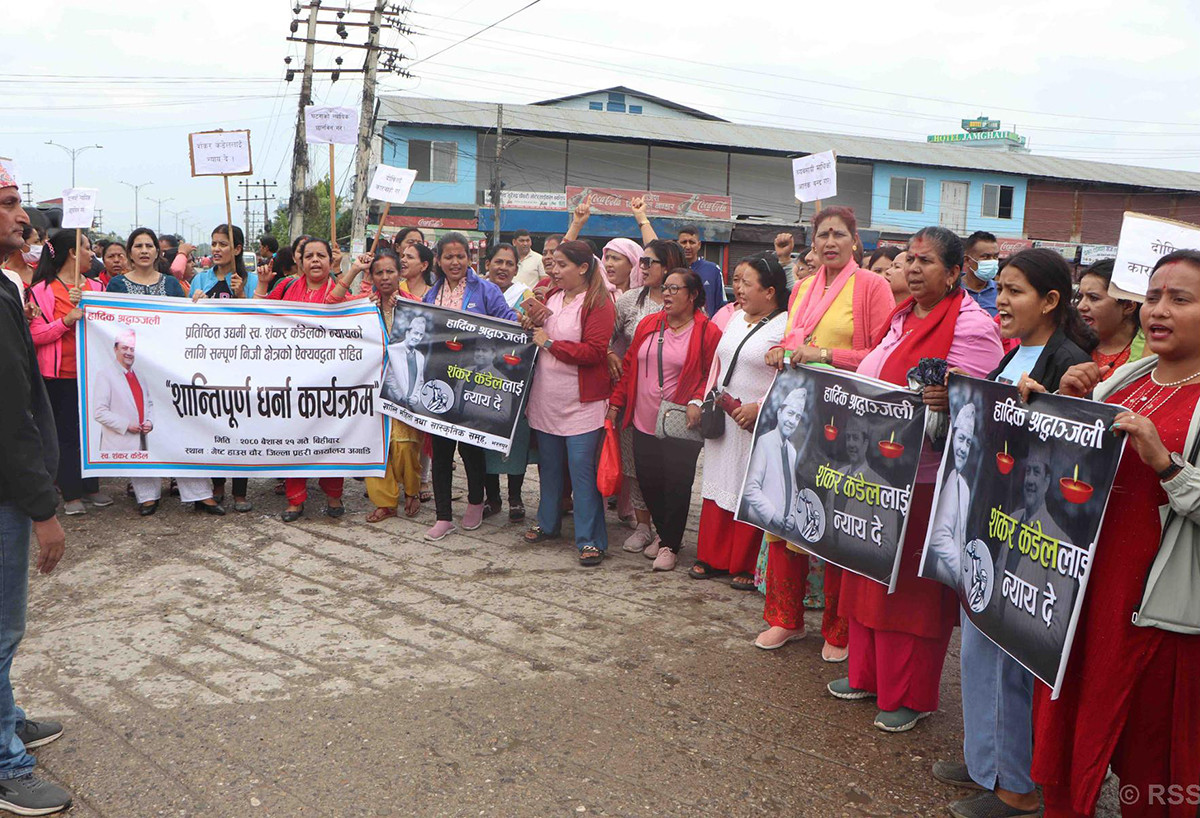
<point>136,188</point>
<point>74,152</point>
<point>159,202</point>
<point>177,219</point>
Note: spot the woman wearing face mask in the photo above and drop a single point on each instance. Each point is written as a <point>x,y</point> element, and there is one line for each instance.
<point>502,267</point>
<point>1133,676</point>
<point>633,306</point>
<point>56,288</point>
<point>314,285</point>
<point>835,316</point>
<point>458,287</point>
<point>1115,322</point>
<point>898,641</point>
<point>144,279</point>
<point>1033,303</point>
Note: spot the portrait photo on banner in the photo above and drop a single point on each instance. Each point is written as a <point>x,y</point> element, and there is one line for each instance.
<point>833,466</point>
<point>1020,498</point>
<point>457,374</point>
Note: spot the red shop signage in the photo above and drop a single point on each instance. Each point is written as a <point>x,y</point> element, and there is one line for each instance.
<point>663,205</point>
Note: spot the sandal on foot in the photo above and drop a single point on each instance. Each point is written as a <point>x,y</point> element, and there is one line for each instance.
<point>702,570</point>
<point>590,555</point>
<point>536,534</point>
<point>292,516</point>
<point>380,514</point>
<point>743,581</point>
<point>516,512</point>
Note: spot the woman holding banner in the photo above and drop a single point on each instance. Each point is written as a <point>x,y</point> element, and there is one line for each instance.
<point>567,398</point>
<point>57,286</point>
<point>1033,307</point>
<point>898,641</point>
<point>459,288</point>
<point>684,340</point>
<point>835,317</point>
<point>726,546</point>
<point>313,286</point>
<point>1115,321</point>
<point>632,307</point>
<point>129,394</point>
<point>1129,696</point>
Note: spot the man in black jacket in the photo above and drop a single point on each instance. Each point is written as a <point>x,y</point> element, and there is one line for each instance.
<point>28,502</point>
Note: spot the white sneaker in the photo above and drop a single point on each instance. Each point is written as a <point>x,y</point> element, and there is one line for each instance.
<point>74,507</point>
<point>654,549</point>
<point>641,537</point>
<point>665,561</point>
<point>98,499</point>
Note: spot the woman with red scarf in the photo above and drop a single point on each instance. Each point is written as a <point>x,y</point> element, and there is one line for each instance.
<point>835,317</point>
<point>1130,697</point>
<point>898,641</point>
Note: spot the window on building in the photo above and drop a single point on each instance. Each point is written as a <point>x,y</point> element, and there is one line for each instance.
<point>614,96</point>
<point>998,201</point>
<point>619,107</point>
<point>907,194</point>
<point>433,161</point>
<point>596,106</point>
<point>635,109</point>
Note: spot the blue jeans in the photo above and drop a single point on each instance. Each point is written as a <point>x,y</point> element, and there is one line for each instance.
<point>997,701</point>
<point>580,454</point>
<point>15,528</point>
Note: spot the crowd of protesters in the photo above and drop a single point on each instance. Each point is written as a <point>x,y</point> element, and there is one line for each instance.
<point>636,334</point>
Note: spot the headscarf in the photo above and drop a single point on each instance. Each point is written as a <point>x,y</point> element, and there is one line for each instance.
<point>631,250</point>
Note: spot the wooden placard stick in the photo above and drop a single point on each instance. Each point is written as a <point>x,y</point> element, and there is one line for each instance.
<point>229,228</point>
<point>387,206</point>
<point>332,204</point>
<point>78,255</point>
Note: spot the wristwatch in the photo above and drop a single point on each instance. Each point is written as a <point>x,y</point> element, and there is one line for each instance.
<point>824,355</point>
<point>1175,467</point>
<point>549,342</point>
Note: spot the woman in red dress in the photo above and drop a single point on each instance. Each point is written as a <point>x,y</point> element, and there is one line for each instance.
<point>1131,694</point>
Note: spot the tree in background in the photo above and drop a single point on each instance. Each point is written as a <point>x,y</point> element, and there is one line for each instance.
<point>316,216</point>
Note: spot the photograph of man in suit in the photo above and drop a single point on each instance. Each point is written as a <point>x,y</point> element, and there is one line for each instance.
<point>770,499</point>
<point>123,406</point>
<point>406,363</point>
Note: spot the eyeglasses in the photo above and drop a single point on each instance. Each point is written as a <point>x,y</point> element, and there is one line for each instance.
<point>671,289</point>
<point>645,261</point>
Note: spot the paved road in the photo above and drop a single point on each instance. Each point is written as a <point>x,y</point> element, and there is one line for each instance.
<point>242,667</point>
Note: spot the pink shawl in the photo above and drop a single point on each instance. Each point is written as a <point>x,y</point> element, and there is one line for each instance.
<point>817,300</point>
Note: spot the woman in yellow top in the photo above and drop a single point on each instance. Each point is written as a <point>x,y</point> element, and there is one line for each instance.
<point>835,317</point>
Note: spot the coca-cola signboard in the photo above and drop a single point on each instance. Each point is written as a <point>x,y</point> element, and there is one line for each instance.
<point>432,222</point>
<point>660,204</point>
<point>1010,246</point>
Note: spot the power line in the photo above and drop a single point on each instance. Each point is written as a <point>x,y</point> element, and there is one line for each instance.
<point>476,34</point>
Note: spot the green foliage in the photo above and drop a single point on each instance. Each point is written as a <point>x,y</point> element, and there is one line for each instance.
<point>316,215</point>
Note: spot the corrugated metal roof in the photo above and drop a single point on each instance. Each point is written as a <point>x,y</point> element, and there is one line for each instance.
<point>753,138</point>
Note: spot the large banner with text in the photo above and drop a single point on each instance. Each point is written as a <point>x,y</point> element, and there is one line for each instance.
<point>230,387</point>
<point>457,374</point>
<point>833,467</point>
<point>1019,501</point>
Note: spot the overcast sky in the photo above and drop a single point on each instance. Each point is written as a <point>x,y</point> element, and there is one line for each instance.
<point>1089,79</point>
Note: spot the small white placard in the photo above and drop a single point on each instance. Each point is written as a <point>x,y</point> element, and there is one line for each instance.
<point>220,153</point>
<point>815,176</point>
<point>326,124</point>
<point>1144,240</point>
<point>79,207</point>
<point>391,184</point>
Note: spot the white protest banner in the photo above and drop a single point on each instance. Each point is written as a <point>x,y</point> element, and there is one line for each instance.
<point>79,207</point>
<point>220,153</point>
<point>327,125</point>
<point>391,185</point>
<point>1144,240</point>
<point>815,176</point>
<point>230,387</point>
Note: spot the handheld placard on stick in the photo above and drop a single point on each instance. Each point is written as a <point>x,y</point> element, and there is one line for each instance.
<point>332,204</point>
<point>391,186</point>
<point>78,254</point>
<point>387,206</point>
<point>229,224</point>
<point>79,209</point>
<point>225,154</point>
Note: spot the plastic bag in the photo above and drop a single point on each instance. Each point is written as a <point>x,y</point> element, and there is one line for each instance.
<point>608,472</point>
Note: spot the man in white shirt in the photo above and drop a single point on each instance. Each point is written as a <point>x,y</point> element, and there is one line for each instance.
<point>530,269</point>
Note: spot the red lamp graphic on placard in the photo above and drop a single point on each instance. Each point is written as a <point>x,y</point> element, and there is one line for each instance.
<point>512,358</point>
<point>454,345</point>
<point>1004,460</point>
<point>1075,490</point>
<point>831,431</point>
<point>890,448</point>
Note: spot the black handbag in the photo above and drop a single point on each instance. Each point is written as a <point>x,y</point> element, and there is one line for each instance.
<point>712,416</point>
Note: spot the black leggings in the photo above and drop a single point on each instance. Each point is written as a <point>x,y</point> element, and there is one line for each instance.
<point>64,402</point>
<point>666,468</point>
<point>474,463</point>
<point>239,485</point>
<point>491,486</point>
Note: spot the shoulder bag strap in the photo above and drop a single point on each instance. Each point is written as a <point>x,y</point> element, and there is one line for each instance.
<point>738,351</point>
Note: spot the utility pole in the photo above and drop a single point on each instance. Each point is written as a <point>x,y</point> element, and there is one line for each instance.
<point>366,128</point>
<point>381,15</point>
<point>136,189</point>
<point>28,192</point>
<point>300,144</point>
<point>496,187</point>
<point>98,220</point>
<point>159,202</point>
<point>265,198</point>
